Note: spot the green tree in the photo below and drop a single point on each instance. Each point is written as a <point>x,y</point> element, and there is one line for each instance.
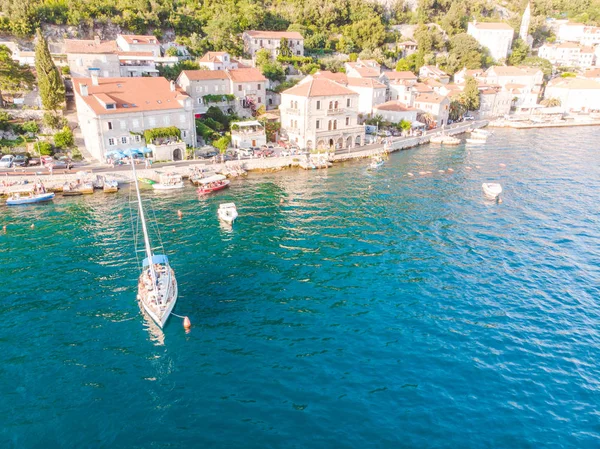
<point>457,110</point>
<point>366,34</point>
<point>172,51</point>
<point>551,102</point>
<point>284,48</point>
<point>404,126</point>
<point>455,21</point>
<point>543,64</point>
<point>470,96</point>
<point>14,77</point>
<point>262,57</point>
<point>173,72</point>
<point>43,148</point>
<point>407,64</point>
<point>64,139</point>
<point>222,143</point>
<point>273,71</point>
<point>465,51</point>
<point>50,83</point>
<point>520,50</point>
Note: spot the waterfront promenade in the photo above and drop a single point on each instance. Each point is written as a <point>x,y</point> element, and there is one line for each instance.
<point>21,181</point>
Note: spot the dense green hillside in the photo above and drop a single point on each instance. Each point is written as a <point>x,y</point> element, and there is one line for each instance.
<point>345,25</point>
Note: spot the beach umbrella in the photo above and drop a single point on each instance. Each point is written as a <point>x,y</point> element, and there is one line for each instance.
<point>118,155</point>
<point>145,150</point>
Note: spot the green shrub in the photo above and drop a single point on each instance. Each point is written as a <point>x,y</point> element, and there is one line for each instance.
<point>218,98</point>
<point>54,121</point>
<point>64,139</point>
<point>30,127</point>
<point>43,148</point>
<point>161,133</point>
<point>65,70</point>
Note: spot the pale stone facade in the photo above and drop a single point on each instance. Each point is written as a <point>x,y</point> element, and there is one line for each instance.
<point>218,60</point>
<point>248,134</point>
<point>497,37</point>
<point>434,104</point>
<point>568,54</point>
<point>321,114</point>
<point>113,113</point>
<point>271,40</point>
<point>575,94</point>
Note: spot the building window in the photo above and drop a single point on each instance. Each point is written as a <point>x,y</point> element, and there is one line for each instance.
<point>151,121</point>
<point>335,105</point>
<point>347,121</point>
<point>335,124</point>
<point>183,133</point>
<point>182,118</point>
<point>258,88</point>
<point>329,125</point>
<point>259,100</point>
<point>318,125</point>
<point>80,62</point>
<point>167,120</point>
<point>240,88</point>
<point>137,139</point>
<point>198,89</point>
<point>331,105</point>
<point>111,142</point>
<point>348,103</point>
<point>109,124</point>
<point>318,104</point>
<point>123,124</point>
<point>200,100</point>
<point>124,140</point>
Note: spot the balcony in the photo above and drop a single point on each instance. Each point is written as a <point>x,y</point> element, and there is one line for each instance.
<point>336,111</point>
<point>292,111</point>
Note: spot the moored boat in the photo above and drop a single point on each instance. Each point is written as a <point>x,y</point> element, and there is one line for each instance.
<point>169,181</point>
<point>157,285</point>
<point>376,163</point>
<point>491,190</point>
<point>110,186</point>
<point>17,200</point>
<point>476,141</point>
<point>78,188</point>
<point>146,180</point>
<point>227,212</point>
<point>212,184</point>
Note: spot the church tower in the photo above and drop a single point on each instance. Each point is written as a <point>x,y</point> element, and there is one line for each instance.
<point>524,31</point>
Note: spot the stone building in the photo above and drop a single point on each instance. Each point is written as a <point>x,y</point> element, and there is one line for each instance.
<point>496,36</point>
<point>271,40</point>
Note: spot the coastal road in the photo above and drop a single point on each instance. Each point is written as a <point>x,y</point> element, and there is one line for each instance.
<point>102,168</point>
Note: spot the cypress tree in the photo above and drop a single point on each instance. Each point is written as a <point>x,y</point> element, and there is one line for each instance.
<point>50,83</point>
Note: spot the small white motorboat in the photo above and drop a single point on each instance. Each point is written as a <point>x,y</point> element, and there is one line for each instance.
<point>445,140</point>
<point>376,163</point>
<point>480,132</point>
<point>169,181</point>
<point>491,190</point>
<point>16,199</point>
<point>227,212</point>
<point>476,141</point>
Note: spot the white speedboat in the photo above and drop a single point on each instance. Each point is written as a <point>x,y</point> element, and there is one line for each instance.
<point>169,181</point>
<point>491,190</point>
<point>157,285</point>
<point>476,141</point>
<point>376,163</point>
<point>480,132</point>
<point>227,212</point>
<point>445,140</point>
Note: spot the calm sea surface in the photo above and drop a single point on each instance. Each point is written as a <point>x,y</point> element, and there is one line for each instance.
<point>371,309</point>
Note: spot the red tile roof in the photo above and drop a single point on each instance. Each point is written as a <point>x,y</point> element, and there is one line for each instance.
<point>334,76</point>
<point>200,75</point>
<point>212,56</point>
<point>365,82</point>
<point>400,76</point>
<point>138,93</point>
<point>492,26</point>
<point>274,34</point>
<point>318,87</point>
<point>90,46</point>
<point>141,39</point>
<point>395,106</point>
<point>245,75</point>
<point>430,98</point>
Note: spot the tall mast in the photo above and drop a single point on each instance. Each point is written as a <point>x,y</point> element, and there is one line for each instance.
<point>144,229</point>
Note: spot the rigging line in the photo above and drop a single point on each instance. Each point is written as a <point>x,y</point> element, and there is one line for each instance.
<point>134,229</point>
<point>178,316</point>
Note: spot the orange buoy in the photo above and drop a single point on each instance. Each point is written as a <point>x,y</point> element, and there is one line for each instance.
<point>179,214</point>
<point>187,323</point>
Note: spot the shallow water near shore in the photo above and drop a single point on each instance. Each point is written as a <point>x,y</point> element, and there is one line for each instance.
<point>370,309</point>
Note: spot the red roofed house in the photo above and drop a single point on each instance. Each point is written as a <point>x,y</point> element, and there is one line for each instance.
<point>363,69</point>
<point>217,60</point>
<point>271,40</point>
<point>241,91</point>
<point>371,92</point>
<point>113,113</point>
<point>433,72</point>
<point>319,113</point>
<point>128,55</point>
<point>434,104</point>
<point>395,111</point>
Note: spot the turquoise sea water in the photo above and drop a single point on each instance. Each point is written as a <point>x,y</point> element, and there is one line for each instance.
<point>371,309</point>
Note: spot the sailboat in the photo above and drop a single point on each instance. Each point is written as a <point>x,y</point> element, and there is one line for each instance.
<point>157,285</point>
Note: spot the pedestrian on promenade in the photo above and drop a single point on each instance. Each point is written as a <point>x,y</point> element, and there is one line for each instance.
<point>146,163</point>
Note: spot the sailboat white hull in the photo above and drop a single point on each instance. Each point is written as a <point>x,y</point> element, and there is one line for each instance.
<point>159,313</point>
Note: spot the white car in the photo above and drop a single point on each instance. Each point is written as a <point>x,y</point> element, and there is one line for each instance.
<point>284,153</point>
<point>7,161</point>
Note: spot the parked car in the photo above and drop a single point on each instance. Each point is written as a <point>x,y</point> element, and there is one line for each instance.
<point>34,161</point>
<point>469,117</point>
<point>62,162</point>
<point>246,152</point>
<point>285,153</point>
<point>7,161</point>
<point>21,160</point>
<point>45,160</point>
